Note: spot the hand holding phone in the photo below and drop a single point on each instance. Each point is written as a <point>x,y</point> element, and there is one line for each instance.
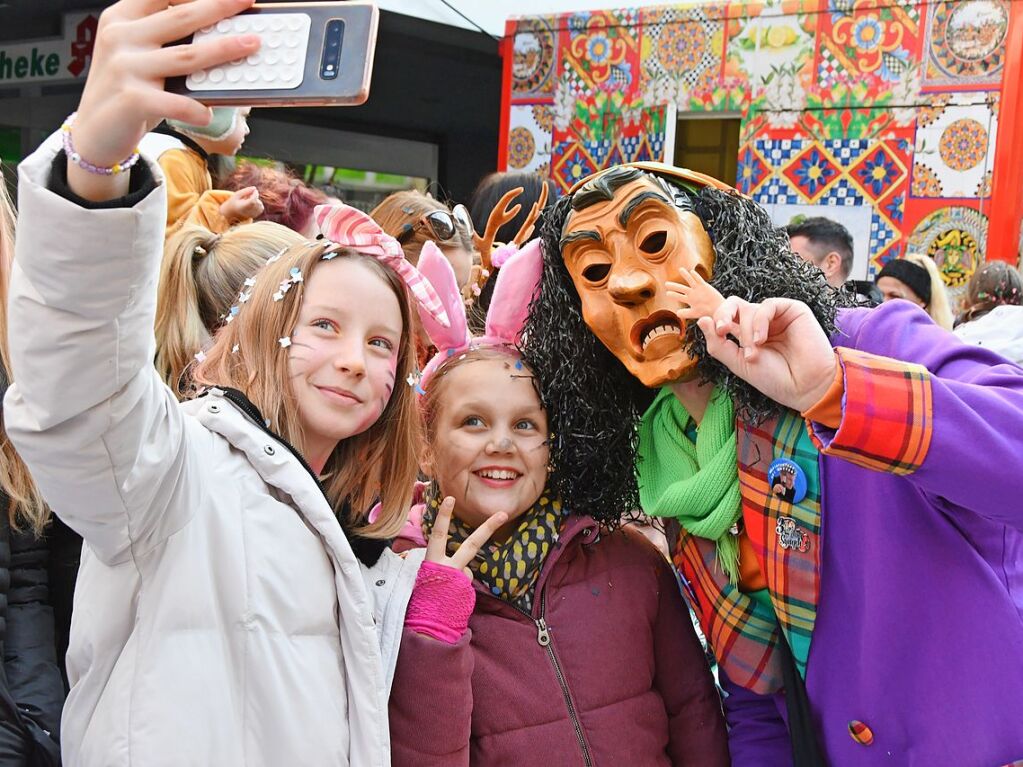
<point>312,54</point>
<point>124,94</point>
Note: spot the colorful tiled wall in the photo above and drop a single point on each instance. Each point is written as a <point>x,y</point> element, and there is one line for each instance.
<point>887,105</point>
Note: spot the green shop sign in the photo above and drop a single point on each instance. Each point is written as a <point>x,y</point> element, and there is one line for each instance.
<point>51,60</point>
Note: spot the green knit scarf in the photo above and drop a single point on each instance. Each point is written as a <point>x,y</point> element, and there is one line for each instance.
<point>697,484</point>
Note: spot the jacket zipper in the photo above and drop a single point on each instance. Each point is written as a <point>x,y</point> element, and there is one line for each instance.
<point>543,638</point>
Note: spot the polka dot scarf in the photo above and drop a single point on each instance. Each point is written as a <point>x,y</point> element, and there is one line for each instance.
<point>509,570</point>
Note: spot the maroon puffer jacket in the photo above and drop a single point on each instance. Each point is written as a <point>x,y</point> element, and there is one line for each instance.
<point>606,671</point>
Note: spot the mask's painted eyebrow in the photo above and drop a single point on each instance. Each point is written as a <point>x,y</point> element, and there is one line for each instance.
<point>635,202</point>
<point>580,234</point>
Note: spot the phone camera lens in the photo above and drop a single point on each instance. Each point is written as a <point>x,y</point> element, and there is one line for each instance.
<point>331,60</point>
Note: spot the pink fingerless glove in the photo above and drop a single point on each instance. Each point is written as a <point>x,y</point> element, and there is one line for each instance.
<point>441,603</point>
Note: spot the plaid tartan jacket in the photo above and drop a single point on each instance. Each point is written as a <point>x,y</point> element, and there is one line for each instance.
<point>886,426</point>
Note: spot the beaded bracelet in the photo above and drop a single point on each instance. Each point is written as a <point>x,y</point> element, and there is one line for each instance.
<point>77,159</point>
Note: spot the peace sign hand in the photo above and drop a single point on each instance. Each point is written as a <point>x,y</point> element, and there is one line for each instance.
<point>436,547</point>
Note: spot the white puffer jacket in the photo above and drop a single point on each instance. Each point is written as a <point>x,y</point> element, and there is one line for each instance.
<point>1000,330</point>
<point>221,617</point>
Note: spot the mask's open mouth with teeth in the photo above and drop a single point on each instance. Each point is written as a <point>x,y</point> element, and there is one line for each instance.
<point>658,324</point>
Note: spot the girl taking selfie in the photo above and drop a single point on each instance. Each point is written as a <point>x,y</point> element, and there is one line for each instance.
<point>234,606</point>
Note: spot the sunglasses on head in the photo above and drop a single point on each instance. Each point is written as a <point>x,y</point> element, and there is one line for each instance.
<point>440,223</point>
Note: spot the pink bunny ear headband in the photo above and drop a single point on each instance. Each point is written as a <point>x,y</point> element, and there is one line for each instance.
<point>349,227</point>
<point>513,291</point>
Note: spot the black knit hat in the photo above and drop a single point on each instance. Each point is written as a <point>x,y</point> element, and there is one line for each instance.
<point>915,276</point>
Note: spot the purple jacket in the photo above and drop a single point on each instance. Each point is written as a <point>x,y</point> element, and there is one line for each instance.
<point>623,681</point>
<point>919,631</point>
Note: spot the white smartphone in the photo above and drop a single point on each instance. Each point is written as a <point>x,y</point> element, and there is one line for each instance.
<point>312,54</point>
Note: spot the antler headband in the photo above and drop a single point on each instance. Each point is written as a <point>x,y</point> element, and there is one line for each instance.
<point>487,246</point>
<point>349,227</point>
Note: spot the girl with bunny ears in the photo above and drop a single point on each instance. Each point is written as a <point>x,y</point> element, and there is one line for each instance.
<point>547,638</point>
<point>231,589</point>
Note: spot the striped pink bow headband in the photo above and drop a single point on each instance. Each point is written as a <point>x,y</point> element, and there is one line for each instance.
<point>351,228</point>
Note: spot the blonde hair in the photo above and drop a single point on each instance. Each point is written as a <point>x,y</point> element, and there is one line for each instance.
<point>406,208</point>
<point>938,307</point>
<point>381,462</point>
<point>201,277</point>
<point>24,501</point>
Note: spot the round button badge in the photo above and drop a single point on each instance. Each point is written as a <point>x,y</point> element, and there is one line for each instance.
<point>787,480</point>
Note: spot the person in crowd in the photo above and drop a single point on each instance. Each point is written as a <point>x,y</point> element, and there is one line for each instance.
<point>202,276</point>
<point>993,310</point>
<point>183,152</point>
<point>286,200</point>
<point>916,278</point>
<point>31,687</point>
<point>234,605</point>
<point>673,311</point>
<point>492,188</point>
<point>579,648</point>
<point>414,218</point>
<point>489,202</point>
<point>824,243</point>
<point>828,245</point>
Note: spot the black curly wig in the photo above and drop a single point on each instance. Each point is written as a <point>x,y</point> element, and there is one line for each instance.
<point>593,403</point>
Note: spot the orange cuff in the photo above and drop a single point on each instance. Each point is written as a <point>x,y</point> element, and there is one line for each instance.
<point>827,411</point>
<point>886,414</point>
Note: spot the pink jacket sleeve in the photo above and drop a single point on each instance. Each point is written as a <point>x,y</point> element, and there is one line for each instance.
<point>696,725</point>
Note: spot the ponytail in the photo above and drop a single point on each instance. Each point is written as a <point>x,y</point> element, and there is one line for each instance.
<point>180,330</point>
<point>201,277</point>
